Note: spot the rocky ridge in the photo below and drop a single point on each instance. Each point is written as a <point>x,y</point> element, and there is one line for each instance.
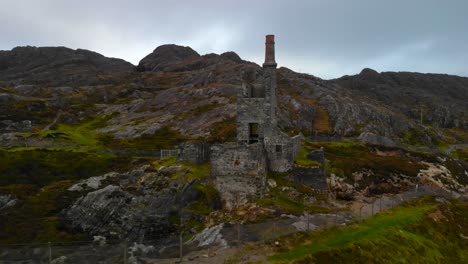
<point>195,94</point>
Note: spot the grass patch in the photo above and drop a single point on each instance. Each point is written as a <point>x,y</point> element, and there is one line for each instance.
<point>164,162</point>
<point>302,160</point>
<point>40,167</point>
<point>290,206</point>
<point>322,123</point>
<point>190,172</point>
<point>461,153</point>
<point>400,235</point>
<point>199,171</point>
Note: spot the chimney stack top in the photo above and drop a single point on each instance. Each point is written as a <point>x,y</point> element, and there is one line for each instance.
<point>270,51</point>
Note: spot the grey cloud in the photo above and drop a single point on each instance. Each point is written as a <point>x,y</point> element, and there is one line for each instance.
<point>326,38</point>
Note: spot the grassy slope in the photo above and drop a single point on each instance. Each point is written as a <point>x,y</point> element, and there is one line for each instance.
<point>405,234</point>
<point>280,200</point>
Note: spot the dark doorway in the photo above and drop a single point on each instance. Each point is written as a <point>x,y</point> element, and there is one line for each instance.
<point>253,133</point>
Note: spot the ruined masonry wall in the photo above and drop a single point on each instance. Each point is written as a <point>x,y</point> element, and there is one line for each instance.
<point>250,110</point>
<point>233,159</point>
<point>284,160</point>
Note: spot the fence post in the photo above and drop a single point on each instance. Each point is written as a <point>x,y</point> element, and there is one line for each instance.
<point>308,222</point>
<point>372,209</point>
<point>125,252</point>
<point>180,246</point>
<point>50,252</point>
<point>360,213</point>
<point>238,233</point>
<point>274,230</point>
<point>380,203</point>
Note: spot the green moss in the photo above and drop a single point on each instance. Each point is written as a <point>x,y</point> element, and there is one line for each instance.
<point>280,179</point>
<point>83,135</point>
<point>167,161</point>
<point>402,234</point>
<point>163,138</point>
<point>196,171</point>
<point>460,154</point>
<point>302,160</point>
<point>208,190</point>
<point>414,137</point>
<point>204,205</point>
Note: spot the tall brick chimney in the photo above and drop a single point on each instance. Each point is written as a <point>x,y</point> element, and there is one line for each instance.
<point>270,51</point>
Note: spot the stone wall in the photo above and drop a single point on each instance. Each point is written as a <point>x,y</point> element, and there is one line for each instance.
<point>238,159</point>
<point>194,152</point>
<point>315,178</point>
<point>250,110</point>
<point>239,172</point>
<point>281,151</point>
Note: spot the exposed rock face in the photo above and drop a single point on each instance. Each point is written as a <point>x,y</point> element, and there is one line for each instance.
<point>7,126</point>
<point>6,201</point>
<point>58,66</point>
<point>411,93</point>
<point>137,204</point>
<point>438,175</point>
<point>165,56</point>
<point>208,237</point>
<point>371,138</point>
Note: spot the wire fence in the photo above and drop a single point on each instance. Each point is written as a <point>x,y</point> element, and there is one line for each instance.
<point>180,248</point>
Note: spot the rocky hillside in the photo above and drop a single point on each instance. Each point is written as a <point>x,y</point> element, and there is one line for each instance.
<point>59,66</point>
<point>195,96</point>
<point>79,135</point>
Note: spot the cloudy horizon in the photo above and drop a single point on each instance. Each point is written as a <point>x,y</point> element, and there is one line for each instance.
<point>327,39</point>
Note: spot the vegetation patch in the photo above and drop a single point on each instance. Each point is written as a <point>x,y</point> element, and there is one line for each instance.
<point>199,110</point>
<point>288,205</point>
<point>34,218</point>
<point>344,158</point>
<point>40,167</point>
<point>39,112</point>
<point>280,200</point>
<point>303,161</point>
<point>163,138</point>
<point>199,171</point>
<point>402,234</point>
<point>461,153</point>
<point>223,131</point>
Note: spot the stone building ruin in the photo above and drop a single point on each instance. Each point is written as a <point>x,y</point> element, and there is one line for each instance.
<point>240,168</point>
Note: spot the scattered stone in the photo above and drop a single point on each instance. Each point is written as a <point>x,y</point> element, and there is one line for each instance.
<point>272,183</point>
<point>7,201</point>
<point>100,240</point>
<point>375,139</point>
<point>59,260</point>
<point>208,237</point>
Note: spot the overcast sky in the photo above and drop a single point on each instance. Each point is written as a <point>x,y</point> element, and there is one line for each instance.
<point>326,38</point>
